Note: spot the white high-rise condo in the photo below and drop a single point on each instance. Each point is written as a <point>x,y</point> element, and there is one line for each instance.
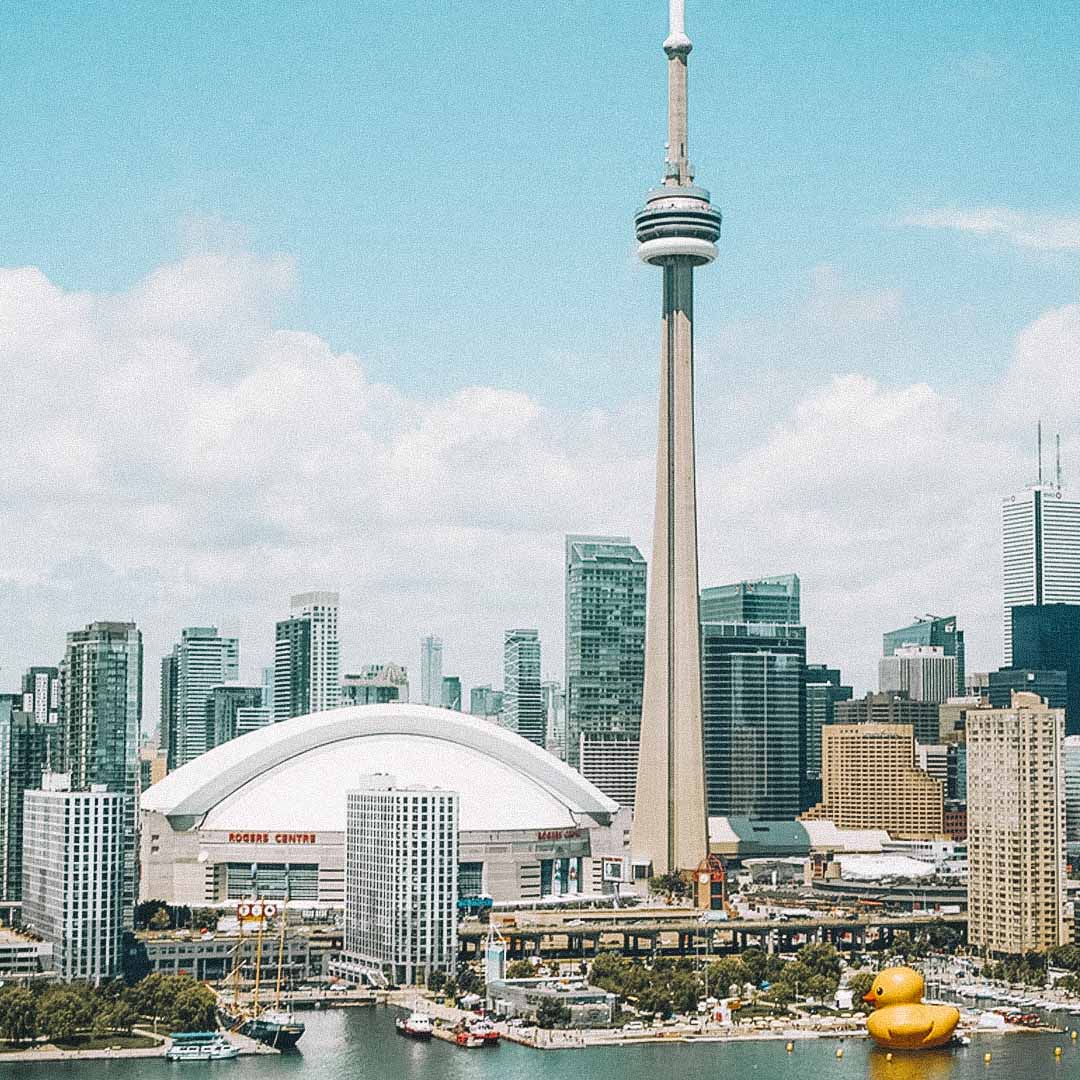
<point>401,881</point>
<point>73,876</point>
<point>677,230</point>
<point>307,657</point>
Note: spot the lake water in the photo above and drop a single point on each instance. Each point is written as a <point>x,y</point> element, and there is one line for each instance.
<point>361,1044</point>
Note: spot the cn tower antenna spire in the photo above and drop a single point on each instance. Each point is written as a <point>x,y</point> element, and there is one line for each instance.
<point>677,46</point>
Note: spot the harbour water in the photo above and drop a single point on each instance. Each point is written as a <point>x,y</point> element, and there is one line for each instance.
<point>360,1044</point>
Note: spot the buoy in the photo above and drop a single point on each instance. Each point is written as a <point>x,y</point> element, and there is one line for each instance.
<point>888,1056</point>
<point>987,1058</point>
<point>1057,1051</point>
<point>790,1047</point>
<point>1074,1036</point>
<point>840,1052</point>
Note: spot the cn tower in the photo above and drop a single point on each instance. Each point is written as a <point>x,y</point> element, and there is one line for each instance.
<point>677,230</point>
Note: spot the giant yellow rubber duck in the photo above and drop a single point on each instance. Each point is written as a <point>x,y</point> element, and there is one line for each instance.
<point>900,1020</point>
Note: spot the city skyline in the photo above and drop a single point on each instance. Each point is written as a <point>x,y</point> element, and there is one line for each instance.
<point>199,508</point>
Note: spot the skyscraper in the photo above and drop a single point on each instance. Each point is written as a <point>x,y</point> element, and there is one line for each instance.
<point>1041,549</point>
<point>75,871</point>
<point>523,704</point>
<point>605,638</point>
<point>42,690</point>
<point>102,718</point>
<point>676,230</point>
<point>766,600</point>
<point>1016,827</point>
<point>754,705</point>
<point>376,684</point>
<point>554,699</point>
<point>895,708</point>
<point>451,693</point>
<point>431,670</point>
<point>824,688</point>
<point>202,659</point>
<point>307,657</point>
<point>869,780</point>
<point>923,672</point>
<point>24,754</point>
<point>938,630</point>
<point>401,880</point>
<point>229,712</point>
<point>1046,637</point>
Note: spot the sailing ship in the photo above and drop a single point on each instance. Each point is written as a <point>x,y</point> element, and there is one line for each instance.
<point>270,1024</point>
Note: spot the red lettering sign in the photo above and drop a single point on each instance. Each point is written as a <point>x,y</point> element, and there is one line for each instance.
<point>559,834</point>
<point>277,838</point>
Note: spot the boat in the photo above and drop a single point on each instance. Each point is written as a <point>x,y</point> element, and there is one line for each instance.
<point>414,1026</point>
<point>272,1025</point>
<point>469,1040</point>
<point>484,1029</point>
<point>200,1046</point>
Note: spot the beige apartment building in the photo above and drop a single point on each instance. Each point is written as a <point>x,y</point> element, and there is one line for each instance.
<point>869,780</point>
<point>1016,827</point>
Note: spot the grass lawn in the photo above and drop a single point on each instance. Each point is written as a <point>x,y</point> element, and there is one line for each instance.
<point>106,1042</point>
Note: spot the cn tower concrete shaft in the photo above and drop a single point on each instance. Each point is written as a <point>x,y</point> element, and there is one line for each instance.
<point>677,230</point>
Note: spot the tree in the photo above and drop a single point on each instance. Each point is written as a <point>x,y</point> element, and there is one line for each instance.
<point>194,1009</point>
<point>18,1014</point>
<point>62,1012</point>
<point>552,1013</point>
<point>159,920</point>
<point>120,1017</point>
<point>860,984</point>
<point>436,981</point>
<point>520,969</point>
<point>670,885</point>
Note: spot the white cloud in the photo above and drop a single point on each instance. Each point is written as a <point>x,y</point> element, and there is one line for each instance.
<point>1043,232</point>
<point>172,456</point>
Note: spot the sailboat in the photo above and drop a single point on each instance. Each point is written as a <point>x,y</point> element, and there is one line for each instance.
<point>270,1024</point>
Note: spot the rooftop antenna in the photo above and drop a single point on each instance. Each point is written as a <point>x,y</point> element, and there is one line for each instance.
<point>1039,445</point>
<point>1057,466</point>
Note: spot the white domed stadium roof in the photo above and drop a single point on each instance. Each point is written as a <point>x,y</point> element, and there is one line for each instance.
<point>294,775</point>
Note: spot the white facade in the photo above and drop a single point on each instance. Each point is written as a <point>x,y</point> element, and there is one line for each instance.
<point>1016,827</point>
<point>529,824</point>
<point>924,671</point>
<point>321,610</point>
<point>1041,549</point>
<point>523,703</point>
<point>401,873</point>
<point>73,861</point>
<point>431,671</point>
<point>609,760</point>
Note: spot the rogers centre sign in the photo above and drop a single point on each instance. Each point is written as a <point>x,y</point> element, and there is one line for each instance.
<point>273,838</point>
<point>559,834</point>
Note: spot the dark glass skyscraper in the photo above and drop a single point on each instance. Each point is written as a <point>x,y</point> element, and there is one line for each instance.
<point>102,717</point>
<point>1046,637</point>
<point>767,600</point>
<point>24,752</point>
<point>823,690</point>
<point>939,630</point>
<point>1051,686</point>
<point>754,715</point>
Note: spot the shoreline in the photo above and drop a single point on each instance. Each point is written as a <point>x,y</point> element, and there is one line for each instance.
<point>49,1053</point>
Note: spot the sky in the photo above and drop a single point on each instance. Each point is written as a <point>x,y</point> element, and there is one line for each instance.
<point>344,296</point>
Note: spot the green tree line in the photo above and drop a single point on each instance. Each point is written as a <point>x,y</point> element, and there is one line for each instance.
<point>176,1002</point>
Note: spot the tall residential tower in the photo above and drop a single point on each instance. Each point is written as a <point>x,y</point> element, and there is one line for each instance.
<point>677,230</point>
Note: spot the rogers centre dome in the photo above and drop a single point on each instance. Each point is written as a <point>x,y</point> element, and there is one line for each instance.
<point>274,800</point>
